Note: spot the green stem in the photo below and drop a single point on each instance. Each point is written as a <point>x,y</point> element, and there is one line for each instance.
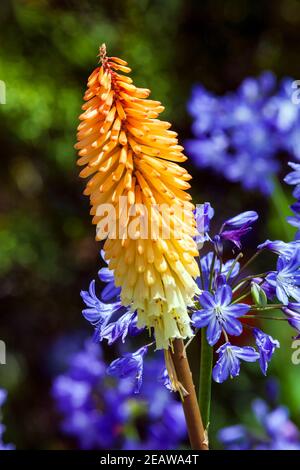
<point>239,256</point>
<point>204,396</point>
<point>281,206</point>
<point>261,317</point>
<point>201,274</point>
<point>246,279</point>
<point>241,297</point>
<point>267,307</point>
<point>211,274</point>
<point>250,260</point>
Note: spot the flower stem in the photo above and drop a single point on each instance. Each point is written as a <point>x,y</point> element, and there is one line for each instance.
<point>267,307</point>
<point>201,274</point>
<point>212,269</point>
<point>247,279</point>
<point>239,256</point>
<point>250,260</point>
<point>281,207</point>
<point>204,395</point>
<point>261,317</point>
<point>241,297</point>
<point>197,434</point>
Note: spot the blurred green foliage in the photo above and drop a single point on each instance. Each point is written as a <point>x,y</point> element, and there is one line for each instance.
<point>47,247</point>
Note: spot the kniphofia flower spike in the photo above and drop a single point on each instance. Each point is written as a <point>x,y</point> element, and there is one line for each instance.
<point>131,159</point>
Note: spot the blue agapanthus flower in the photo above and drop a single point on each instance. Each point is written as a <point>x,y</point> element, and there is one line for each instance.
<point>286,280</point>
<point>106,275</point>
<point>292,311</point>
<point>111,320</point>
<point>130,365</point>
<point>203,215</point>
<point>280,247</point>
<point>228,364</point>
<point>244,219</point>
<point>235,228</point>
<point>126,323</point>
<point>3,446</point>
<point>266,348</point>
<point>277,431</point>
<point>218,314</point>
<point>294,220</point>
<point>239,135</point>
<point>232,229</point>
<point>99,411</point>
<point>229,268</point>
<point>293,178</point>
<point>99,313</point>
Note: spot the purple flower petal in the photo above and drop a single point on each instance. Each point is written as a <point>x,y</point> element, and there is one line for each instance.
<point>223,295</point>
<point>243,219</point>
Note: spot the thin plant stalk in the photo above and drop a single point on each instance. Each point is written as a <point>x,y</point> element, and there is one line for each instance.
<point>196,430</point>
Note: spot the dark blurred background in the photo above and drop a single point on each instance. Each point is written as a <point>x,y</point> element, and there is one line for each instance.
<point>47,248</point>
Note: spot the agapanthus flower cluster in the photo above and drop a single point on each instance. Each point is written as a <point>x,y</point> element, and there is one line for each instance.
<point>293,178</point>
<point>239,135</point>
<point>277,431</point>
<point>230,296</point>
<point>100,412</point>
<point>3,446</point>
